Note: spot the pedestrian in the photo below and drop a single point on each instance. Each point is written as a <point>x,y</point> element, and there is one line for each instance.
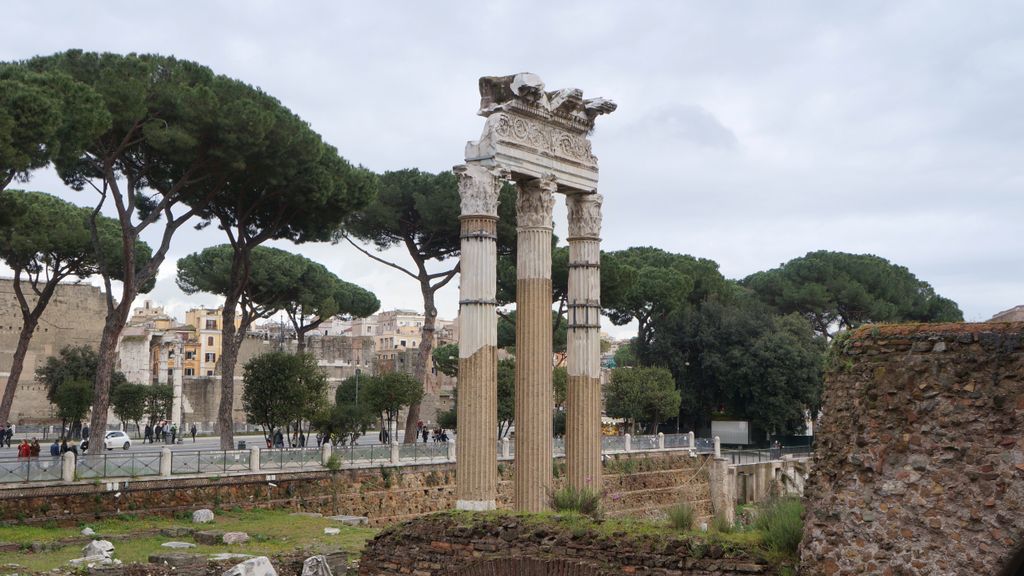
<point>3,435</point>
<point>55,448</point>
<point>85,432</point>
<point>319,439</point>
<point>35,448</point>
<point>174,433</point>
<point>278,439</point>
<point>425,435</point>
<point>63,445</point>
<point>24,450</point>
<point>148,433</point>
<point>302,439</point>
<point>10,434</point>
<point>193,431</point>
<point>158,432</point>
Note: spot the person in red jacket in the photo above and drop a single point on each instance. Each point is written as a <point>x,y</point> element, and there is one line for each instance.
<point>24,449</point>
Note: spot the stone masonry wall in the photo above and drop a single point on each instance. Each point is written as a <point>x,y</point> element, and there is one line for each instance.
<point>494,544</point>
<point>653,482</point>
<point>919,465</point>
<point>74,317</point>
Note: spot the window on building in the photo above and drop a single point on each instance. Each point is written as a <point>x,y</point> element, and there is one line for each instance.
<point>210,357</point>
<point>403,342</point>
<point>209,340</point>
<point>211,324</point>
<point>190,355</point>
<point>190,372</point>
<point>170,373</point>
<point>209,372</point>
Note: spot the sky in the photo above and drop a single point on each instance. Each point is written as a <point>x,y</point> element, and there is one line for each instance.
<point>749,133</point>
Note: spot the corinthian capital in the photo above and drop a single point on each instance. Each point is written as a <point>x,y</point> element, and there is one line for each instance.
<point>584,215</point>
<point>535,201</point>
<point>478,189</point>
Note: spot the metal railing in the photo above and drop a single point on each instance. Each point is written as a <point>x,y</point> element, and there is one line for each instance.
<point>114,465</point>
<point>209,461</point>
<point>38,469</point>
<point>289,458</point>
<point>180,462</point>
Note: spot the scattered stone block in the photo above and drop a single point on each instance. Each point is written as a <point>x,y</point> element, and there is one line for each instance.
<point>177,559</point>
<point>316,566</point>
<point>209,537</point>
<point>177,531</point>
<point>307,514</point>
<point>332,531</point>
<point>98,548</point>
<point>178,545</point>
<point>90,560</point>
<point>350,520</point>
<point>258,566</point>
<point>235,538</point>
<point>88,531</point>
<point>202,516</point>
<point>337,562</point>
<point>229,556</point>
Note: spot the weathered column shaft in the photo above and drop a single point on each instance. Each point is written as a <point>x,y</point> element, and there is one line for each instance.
<point>534,399</point>
<point>583,405</point>
<point>476,463</point>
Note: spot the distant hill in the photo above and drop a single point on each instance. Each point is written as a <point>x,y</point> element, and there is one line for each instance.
<point>1015,314</point>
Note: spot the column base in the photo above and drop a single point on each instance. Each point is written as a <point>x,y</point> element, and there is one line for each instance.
<point>476,505</point>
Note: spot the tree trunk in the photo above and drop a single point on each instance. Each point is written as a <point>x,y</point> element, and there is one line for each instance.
<point>107,358</point>
<point>17,364</point>
<point>228,358</point>
<point>423,359</point>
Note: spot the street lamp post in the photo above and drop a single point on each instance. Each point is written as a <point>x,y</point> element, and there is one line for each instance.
<point>357,386</point>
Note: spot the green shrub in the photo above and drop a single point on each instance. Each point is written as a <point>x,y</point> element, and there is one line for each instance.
<point>681,516</point>
<point>334,463</point>
<point>782,523</point>
<point>584,501</point>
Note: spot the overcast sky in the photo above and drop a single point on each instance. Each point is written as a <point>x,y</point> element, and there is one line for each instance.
<point>747,132</point>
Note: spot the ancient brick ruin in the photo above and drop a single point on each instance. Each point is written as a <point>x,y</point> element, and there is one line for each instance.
<point>919,467</point>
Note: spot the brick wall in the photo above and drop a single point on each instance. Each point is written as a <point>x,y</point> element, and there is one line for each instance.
<point>919,465</point>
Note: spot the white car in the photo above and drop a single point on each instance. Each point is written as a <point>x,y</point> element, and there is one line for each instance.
<point>116,439</point>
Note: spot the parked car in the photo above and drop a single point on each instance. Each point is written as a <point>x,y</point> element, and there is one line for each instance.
<point>116,439</point>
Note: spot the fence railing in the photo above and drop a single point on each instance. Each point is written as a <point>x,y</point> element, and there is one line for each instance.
<point>179,462</point>
<point>117,465</point>
<point>210,461</point>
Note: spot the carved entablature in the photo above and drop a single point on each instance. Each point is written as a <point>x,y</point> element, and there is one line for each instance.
<point>584,215</point>
<point>535,133</point>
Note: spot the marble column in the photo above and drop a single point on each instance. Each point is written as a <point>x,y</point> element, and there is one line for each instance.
<point>476,462</point>
<point>534,398</point>
<point>583,405</point>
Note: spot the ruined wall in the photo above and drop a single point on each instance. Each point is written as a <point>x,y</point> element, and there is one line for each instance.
<point>74,317</point>
<point>919,465</point>
<point>479,544</point>
<point>652,483</point>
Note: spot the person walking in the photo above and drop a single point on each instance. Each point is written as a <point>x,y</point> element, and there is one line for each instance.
<point>158,432</point>
<point>24,450</point>
<point>10,434</point>
<point>193,431</point>
<point>85,432</point>
<point>55,448</point>
<point>34,448</point>
<point>174,433</point>
<point>148,434</point>
<point>426,434</point>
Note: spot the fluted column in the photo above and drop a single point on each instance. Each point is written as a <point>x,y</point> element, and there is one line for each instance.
<point>476,462</point>
<point>583,405</point>
<point>534,398</point>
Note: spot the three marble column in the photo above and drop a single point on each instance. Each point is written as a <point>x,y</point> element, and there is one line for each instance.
<point>476,457</point>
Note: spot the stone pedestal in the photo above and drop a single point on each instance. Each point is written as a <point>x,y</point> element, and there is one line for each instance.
<point>583,405</point>
<point>476,463</point>
<point>534,397</point>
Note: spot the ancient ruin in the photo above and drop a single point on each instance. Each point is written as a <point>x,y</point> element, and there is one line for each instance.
<point>919,467</point>
<point>538,140</point>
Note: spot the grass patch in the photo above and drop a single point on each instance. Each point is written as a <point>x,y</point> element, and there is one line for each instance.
<point>581,500</point>
<point>782,524</point>
<point>681,516</point>
<point>272,532</point>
